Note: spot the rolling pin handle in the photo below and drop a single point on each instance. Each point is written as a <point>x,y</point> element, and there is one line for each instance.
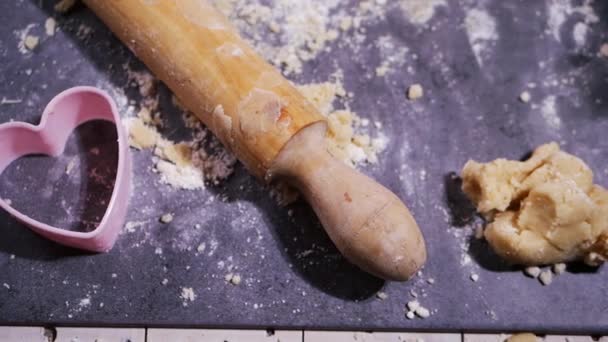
<point>368,223</point>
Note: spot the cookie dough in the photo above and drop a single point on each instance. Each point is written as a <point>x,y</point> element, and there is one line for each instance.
<point>544,210</point>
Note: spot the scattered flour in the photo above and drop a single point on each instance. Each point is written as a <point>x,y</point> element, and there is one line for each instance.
<point>548,111</point>
<point>560,10</point>
<point>580,34</point>
<point>85,302</point>
<point>31,42</point>
<point>419,12</point>
<point>288,33</point>
<point>392,53</point>
<point>481,32</point>
<point>184,165</point>
<point>302,28</point>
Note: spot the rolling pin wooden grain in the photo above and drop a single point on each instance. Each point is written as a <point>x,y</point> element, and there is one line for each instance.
<point>268,124</point>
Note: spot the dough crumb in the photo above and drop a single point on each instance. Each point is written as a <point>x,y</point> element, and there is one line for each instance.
<point>532,271</point>
<point>232,278</point>
<point>559,268</point>
<point>201,248</point>
<point>414,308</point>
<point>166,218</point>
<point>49,26</point>
<point>546,278</point>
<point>431,281</point>
<point>64,6</point>
<point>31,42</point>
<point>235,280</point>
<point>165,281</point>
<point>525,97</point>
<point>413,305</point>
<point>604,50</point>
<point>474,277</point>
<point>187,295</point>
<point>141,136</point>
<point>382,295</point>
<point>346,137</point>
<point>415,92</point>
<point>423,312</point>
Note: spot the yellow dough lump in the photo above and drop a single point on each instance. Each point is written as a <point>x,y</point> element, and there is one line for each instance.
<point>544,210</point>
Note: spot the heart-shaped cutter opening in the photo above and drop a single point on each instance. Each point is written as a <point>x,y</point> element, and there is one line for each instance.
<point>60,118</point>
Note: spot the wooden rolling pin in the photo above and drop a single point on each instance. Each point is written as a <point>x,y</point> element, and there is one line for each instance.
<point>268,124</point>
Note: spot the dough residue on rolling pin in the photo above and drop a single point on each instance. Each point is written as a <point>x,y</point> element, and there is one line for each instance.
<point>189,164</point>
<point>304,29</point>
<point>259,113</point>
<point>545,210</point>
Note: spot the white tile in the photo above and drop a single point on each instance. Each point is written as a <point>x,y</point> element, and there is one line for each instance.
<point>100,334</point>
<point>564,338</point>
<point>217,335</point>
<point>338,336</point>
<point>19,334</point>
<point>484,337</point>
<point>548,338</point>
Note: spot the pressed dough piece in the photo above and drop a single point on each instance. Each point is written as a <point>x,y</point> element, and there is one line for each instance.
<point>492,186</point>
<point>544,210</point>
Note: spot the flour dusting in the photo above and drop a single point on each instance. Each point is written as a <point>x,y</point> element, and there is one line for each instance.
<point>559,11</point>
<point>580,34</point>
<point>419,12</point>
<point>481,32</point>
<point>548,111</point>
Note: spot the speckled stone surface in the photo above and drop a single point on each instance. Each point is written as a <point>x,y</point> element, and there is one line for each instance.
<point>292,275</point>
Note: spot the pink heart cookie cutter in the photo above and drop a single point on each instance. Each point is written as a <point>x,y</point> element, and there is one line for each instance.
<point>60,118</point>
